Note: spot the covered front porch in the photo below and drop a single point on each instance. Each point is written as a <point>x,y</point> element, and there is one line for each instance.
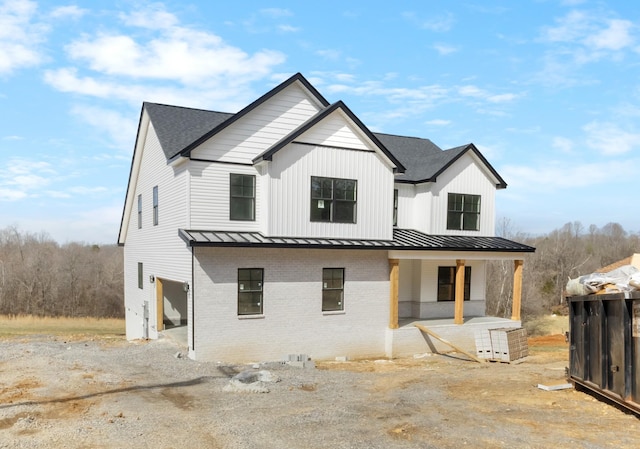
<point>448,304</point>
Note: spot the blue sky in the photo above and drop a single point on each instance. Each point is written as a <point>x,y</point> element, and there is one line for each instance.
<point>549,91</point>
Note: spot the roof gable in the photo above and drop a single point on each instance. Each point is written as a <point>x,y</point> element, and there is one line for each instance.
<point>319,117</point>
<point>427,161</point>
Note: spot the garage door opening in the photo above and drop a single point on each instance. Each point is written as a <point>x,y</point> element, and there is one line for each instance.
<point>171,304</point>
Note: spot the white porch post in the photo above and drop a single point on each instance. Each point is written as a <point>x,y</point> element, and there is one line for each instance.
<point>458,317</point>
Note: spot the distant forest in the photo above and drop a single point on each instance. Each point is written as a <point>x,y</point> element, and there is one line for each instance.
<point>40,277</point>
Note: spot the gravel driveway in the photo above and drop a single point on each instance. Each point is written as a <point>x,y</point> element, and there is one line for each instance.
<point>109,393</point>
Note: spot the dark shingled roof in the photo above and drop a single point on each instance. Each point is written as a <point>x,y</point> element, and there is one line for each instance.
<point>177,127</point>
<point>403,239</point>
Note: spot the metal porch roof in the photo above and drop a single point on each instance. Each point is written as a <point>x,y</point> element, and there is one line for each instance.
<point>403,239</point>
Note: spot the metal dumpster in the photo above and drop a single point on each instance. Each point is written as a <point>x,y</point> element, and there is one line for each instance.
<point>604,351</point>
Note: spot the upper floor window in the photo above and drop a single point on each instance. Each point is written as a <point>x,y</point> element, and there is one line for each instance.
<point>250,291</point>
<point>463,212</point>
<point>155,206</point>
<point>333,200</point>
<point>395,207</point>
<point>139,211</point>
<point>242,204</point>
<point>447,282</point>
<point>332,289</point>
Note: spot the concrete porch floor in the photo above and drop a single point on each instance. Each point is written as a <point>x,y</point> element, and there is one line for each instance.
<point>178,334</point>
<point>408,340</point>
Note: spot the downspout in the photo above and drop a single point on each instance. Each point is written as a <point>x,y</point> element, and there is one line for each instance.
<point>193,303</point>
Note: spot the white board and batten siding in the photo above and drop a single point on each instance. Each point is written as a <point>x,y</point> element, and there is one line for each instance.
<point>464,176</point>
<point>289,178</point>
<point>259,129</point>
<point>159,248</point>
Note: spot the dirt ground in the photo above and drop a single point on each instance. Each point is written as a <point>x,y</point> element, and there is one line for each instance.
<point>69,392</point>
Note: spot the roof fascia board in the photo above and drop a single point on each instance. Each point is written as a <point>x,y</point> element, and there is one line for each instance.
<point>317,118</point>
<point>141,138</point>
<point>295,78</point>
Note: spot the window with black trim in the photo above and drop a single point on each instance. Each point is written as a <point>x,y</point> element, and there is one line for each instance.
<point>140,278</point>
<point>242,203</point>
<point>333,200</point>
<point>155,206</point>
<point>395,207</point>
<point>463,212</point>
<point>139,211</point>
<point>250,291</point>
<point>332,289</point>
<point>447,283</point>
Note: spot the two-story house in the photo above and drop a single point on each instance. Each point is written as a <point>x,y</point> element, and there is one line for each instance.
<point>290,228</point>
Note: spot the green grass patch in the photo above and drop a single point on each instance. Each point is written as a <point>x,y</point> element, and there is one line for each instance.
<point>30,325</point>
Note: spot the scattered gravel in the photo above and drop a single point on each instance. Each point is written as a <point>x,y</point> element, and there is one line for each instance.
<point>97,393</point>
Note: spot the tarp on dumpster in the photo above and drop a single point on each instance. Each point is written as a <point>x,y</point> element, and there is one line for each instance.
<point>623,279</point>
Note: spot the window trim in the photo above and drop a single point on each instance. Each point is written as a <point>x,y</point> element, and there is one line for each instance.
<point>333,201</point>
<point>242,290</point>
<point>333,289</point>
<point>462,212</point>
<point>233,197</point>
<point>452,284</point>
<point>155,205</point>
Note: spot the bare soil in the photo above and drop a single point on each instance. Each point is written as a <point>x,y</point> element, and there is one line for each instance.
<point>83,392</point>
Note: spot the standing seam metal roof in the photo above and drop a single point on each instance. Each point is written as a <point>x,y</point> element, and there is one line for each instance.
<point>403,239</point>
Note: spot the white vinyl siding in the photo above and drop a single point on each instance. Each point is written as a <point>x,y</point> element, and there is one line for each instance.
<point>210,197</point>
<point>255,132</point>
<point>160,249</point>
<point>289,202</point>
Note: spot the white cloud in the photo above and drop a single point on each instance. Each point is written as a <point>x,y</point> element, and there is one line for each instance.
<point>615,37</point>
<point>20,178</point>
<point>172,63</point>
<point>276,13</point>
<point>438,122</point>
<point>439,24</point>
<point>70,11</point>
<point>562,144</point>
<point>610,139</point>
<point>555,176</point>
<point>445,49</point>
<point>120,129</point>
<point>589,37</point>
<point>19,35</point>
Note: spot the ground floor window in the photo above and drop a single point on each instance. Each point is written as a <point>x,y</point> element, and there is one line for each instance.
<point>250,282</point>
<point>447,283</point>
<point>140,273</point>
<point>332,289</point>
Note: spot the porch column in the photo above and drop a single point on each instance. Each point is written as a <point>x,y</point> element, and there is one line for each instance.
<point>459,294</point>
<point>517,290</point>
<point>393,293</point>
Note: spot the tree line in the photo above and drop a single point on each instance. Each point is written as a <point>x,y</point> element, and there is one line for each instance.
<point>565,253</point>
<point>43,278</point>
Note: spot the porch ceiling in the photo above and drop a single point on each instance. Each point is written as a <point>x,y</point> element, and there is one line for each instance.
<point>403,239</point>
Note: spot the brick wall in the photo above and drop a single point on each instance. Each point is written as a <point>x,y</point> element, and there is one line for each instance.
<point>293,321</point>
